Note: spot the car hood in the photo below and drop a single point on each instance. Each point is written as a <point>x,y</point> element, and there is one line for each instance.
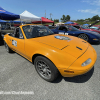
<point>92,32</point>
<point>88,31</point>
<point>69,44</point>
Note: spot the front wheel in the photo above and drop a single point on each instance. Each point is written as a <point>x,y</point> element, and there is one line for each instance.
<point>45,68</point>
<point>83,36</point>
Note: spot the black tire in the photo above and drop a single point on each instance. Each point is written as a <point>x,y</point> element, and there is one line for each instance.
<point>7,48</point>
<point>84,37</point>
<point>45,68</point>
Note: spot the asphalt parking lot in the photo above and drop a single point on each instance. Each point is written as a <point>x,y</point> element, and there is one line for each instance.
<point>18,74</point>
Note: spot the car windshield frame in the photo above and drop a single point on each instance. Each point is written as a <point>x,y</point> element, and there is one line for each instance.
<point>33,31</point>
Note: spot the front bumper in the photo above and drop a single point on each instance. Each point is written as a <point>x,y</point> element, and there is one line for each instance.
<point>96,40</point>
<point>76,68</point>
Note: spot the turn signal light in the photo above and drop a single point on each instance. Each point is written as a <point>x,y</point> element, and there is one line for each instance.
<point>68,71</point>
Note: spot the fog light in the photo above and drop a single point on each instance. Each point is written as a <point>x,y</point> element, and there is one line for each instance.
<point>86,62</point>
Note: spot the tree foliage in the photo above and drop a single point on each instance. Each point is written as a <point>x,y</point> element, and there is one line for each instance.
<point>56,20</point>
<point>94,18</point>
<point>65,18</point>
<point>81,20</point>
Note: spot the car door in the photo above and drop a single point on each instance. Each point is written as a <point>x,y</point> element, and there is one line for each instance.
<point>17,42</point>
<point>60,30</point>
<point>63,30</point>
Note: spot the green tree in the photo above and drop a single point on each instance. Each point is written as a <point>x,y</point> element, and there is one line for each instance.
<point>96,17</point>
<point>80,20</point>
<point>65,18</point>
<point>89,19</point>
<point>56,20</point>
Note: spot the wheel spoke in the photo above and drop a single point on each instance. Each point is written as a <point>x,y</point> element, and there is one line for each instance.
<point>83,36</point>
<point>48,71</point>
<point>43,69</point>
<point>40,65</point>
<point>40,69</point>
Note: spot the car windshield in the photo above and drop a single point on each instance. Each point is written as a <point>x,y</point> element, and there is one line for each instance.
<point>71,28</point>
<point>32,31</point>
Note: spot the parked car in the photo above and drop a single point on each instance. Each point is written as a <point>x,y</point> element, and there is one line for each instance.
<point>51,53</point>
<point>86,28</point>
<point>2,33</point>
<point>92,37</point>
<point>95,28</point>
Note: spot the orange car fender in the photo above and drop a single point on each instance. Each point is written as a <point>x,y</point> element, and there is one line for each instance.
<point>59,59</point>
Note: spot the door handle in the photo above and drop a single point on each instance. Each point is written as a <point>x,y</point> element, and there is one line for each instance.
<point>10,39</point>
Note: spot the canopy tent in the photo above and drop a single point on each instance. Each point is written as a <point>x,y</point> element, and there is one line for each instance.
<point>60,23</point>
<point>74,24</point>
<point>2,21</point>
<point>86,24</point>
<point>69,22</point>
<point>5,15</point>
<point>44,20</point>
<point>2,24</point>
<point>28,17</point>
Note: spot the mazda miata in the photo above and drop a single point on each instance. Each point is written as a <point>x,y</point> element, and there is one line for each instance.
<point>51,53</point>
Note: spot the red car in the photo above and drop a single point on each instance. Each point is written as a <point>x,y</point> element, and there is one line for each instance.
<point>97,26</point>
<point>85,28</point>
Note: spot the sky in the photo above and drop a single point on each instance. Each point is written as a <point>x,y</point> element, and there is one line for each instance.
<point>76,9</point>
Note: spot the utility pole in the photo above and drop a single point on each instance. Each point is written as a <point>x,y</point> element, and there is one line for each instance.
<point>45,13</point>
<point>50,15</point>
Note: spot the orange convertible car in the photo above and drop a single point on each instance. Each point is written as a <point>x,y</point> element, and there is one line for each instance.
<point>51,53</point>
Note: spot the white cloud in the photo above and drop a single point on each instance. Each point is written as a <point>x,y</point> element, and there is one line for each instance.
<point>90,11</point>
<point>92,2</point>
<point>87,1</point>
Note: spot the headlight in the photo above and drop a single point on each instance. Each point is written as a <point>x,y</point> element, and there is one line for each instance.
<point>86,62</point>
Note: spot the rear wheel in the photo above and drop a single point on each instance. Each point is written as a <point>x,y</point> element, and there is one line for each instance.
<point>7,48</point>
<point>45,68</point>
<point>83,36</point>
